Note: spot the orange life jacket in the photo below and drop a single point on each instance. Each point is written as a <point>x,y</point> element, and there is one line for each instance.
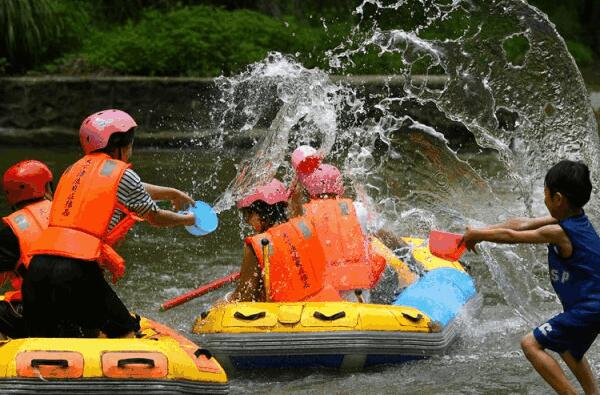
<point>295,266</point>
<point>27,225</point>
<point>83,205</point>
<point>351,263</point>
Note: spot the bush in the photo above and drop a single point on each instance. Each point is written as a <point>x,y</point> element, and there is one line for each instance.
<point>583,55</point>
<point>196,40</point>
<point>34,31</point>
<point>25,28</point>
<point>163,37</point>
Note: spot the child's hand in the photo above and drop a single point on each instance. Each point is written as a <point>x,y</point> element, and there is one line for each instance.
<point>181,200</point>
<point>469,239</point>
<point>297,190</point>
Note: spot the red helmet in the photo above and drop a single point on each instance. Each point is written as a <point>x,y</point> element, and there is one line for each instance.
<point>305,159</point>
<point>26,180</point>
<point>326,179</point>
<point>96,129</point>
<point>273,192</point>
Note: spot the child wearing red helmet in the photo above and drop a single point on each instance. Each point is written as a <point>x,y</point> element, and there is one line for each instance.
<point>28,189</point>
<point>97,200</point>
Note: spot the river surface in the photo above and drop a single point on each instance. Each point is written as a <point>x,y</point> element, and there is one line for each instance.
<point>164,263</point>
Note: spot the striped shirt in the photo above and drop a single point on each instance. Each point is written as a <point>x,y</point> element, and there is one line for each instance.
<point>131,194</point>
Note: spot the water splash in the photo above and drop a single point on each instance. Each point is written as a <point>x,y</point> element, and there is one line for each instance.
<point>307,114</point>
<point>495,69</point>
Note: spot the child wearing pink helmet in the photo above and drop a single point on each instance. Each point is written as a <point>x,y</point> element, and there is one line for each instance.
<point>97,200</point>
<point>309,197</point>
<point>264,207</point>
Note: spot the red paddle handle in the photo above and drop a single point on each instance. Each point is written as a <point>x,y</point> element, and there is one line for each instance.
<point>199,291</point>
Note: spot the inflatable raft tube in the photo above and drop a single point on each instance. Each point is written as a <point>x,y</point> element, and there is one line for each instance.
<point>421,322</point>
<point>160,361</point>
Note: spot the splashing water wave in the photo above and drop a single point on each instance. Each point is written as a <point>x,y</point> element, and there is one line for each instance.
<point>496,68</point>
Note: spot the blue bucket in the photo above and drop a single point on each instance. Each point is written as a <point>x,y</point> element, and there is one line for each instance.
<point>206,219</point>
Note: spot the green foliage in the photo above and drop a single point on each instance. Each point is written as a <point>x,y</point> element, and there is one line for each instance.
<point>35,30</point>
<point>188,37</point>
<point>198,40</point>
<point>24,28</point>
<point>516,48</point>
<point>568,16</point>
<point>74,23</point>
<point>583,55</point>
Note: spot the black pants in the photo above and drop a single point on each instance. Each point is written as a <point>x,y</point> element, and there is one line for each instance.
<point>64,297</point>
<point>11,320</point>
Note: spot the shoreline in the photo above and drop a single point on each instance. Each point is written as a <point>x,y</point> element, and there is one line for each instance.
<point>171,111</point>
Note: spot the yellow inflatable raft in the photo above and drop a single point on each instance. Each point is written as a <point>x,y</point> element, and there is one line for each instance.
<point>160,361</point>
<point>422,321</point>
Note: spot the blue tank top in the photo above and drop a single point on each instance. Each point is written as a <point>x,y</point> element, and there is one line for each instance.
<point>576,279</point>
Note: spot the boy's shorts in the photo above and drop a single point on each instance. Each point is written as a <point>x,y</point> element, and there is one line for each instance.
<point>562,333</point>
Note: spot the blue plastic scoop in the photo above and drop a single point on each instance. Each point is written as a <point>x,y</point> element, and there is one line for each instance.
<point>206,219</point>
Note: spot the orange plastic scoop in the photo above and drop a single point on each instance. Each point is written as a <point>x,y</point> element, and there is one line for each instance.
<point>445,245</point>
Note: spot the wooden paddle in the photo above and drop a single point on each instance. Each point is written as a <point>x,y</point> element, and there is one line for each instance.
<point>204,289</point>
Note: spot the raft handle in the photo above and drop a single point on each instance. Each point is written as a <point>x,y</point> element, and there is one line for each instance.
<point>203,351</point>
<point>36,363</point>
<point>413,318</point>
<point>134,361</point>
<point>251,317</point>
<point>320,316</point>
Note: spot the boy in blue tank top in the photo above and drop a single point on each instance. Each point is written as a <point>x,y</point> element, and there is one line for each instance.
<point>574,265</point>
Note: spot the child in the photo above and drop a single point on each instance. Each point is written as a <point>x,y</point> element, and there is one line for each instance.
<point>28,189</point>
<point>574,262</point>
<point>292,268</point>
<point>97,200</point>
<point>344,230</point>
<point>263,209</point>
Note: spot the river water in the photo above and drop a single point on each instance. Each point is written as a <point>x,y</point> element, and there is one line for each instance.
<point>163,263</point>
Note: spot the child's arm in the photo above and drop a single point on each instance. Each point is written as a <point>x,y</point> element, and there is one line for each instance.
<point>517,224</point>
<point>166,218</point>
<point>249,286</point>
<point>552,233</point>
<point>296,199</point>
<point>180,199</point>
<point>524,223</point>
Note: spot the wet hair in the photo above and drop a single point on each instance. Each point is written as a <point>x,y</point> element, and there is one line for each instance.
<point>272,214</point>
<point>118,140</point>
<point>572,180</point>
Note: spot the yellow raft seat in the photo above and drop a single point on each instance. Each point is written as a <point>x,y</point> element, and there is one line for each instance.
<point>160,361</point>
<point>422,321</point>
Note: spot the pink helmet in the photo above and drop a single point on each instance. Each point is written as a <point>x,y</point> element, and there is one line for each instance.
<point>96,129</point>
<point>271,193</point>
<point>326,179</point>
<point>26,180</point>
